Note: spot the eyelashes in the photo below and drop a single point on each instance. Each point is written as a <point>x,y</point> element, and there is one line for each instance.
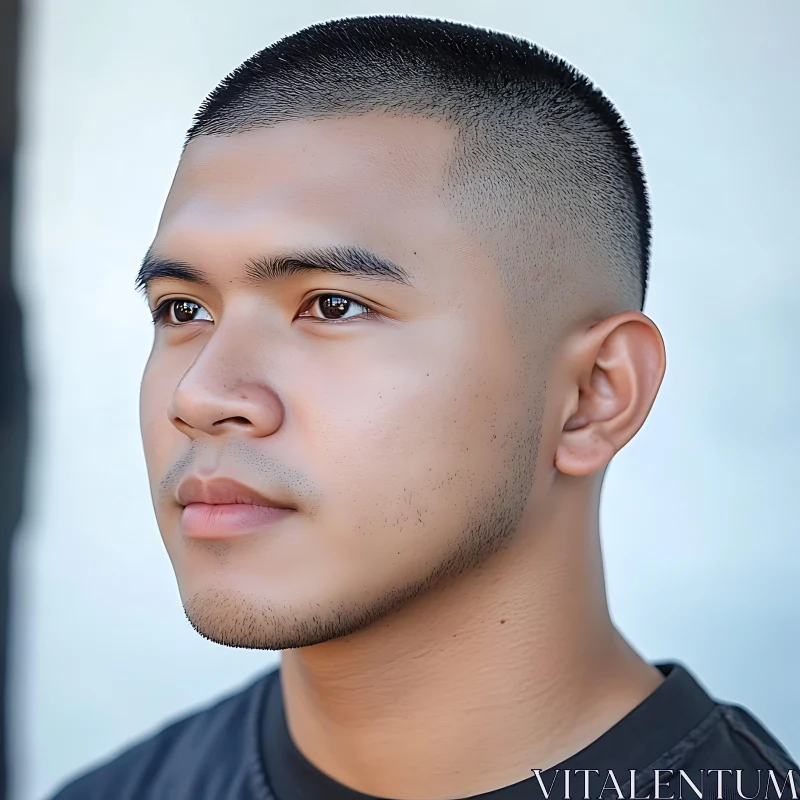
<point>163,312</point>
<point>341,304</point>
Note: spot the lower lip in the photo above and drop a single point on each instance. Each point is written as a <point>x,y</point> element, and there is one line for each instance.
<point>207,521</point>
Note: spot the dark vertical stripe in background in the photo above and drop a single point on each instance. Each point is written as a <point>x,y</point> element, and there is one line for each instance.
<point>13,373</point>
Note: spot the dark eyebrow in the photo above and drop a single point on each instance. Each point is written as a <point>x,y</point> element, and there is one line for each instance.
<point>351,260</point>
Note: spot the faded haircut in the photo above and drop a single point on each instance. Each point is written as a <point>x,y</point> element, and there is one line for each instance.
<point>543,166</point>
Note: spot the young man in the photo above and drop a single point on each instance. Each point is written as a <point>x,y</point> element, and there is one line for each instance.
<point>397,289</point>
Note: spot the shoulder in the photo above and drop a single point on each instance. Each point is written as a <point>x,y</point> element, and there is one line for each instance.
<point>177,761</point>
<point>756,739</point>
<point>735,736</point>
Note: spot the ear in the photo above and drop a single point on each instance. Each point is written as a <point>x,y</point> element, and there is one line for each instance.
<point>615,369</point>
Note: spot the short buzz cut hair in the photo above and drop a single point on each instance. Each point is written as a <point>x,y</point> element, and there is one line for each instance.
<point>543,164</point>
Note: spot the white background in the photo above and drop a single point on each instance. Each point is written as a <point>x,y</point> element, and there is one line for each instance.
<point>700,512</point>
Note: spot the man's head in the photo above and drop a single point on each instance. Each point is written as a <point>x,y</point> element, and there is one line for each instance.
<point>394,259</point>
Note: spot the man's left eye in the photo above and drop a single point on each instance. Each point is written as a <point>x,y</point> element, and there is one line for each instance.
<point>335,307</point>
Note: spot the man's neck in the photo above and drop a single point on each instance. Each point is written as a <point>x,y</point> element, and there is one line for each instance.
<point>512,667</point>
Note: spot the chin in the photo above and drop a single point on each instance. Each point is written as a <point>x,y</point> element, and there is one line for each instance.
<point>250,595</point>
<point>235,619</point>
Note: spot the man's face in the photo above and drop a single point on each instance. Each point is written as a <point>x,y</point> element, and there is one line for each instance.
<point>401,437</point>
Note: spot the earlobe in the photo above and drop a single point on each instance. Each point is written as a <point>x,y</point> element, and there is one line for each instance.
<point>583,452</point>
<point>617,369</point>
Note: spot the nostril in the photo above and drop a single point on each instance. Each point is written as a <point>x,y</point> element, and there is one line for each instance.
<point>237,420</point>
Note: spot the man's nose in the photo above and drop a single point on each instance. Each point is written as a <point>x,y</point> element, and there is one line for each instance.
<point>221,392</point>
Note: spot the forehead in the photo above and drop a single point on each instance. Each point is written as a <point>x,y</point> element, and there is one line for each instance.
<point>357,177</point>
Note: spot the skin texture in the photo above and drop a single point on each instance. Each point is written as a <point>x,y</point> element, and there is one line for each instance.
<point>442,573</point>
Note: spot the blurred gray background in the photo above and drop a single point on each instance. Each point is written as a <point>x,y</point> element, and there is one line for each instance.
<point>700,511</point>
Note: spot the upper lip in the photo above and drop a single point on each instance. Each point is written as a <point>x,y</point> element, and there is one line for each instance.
<point>222,491</point>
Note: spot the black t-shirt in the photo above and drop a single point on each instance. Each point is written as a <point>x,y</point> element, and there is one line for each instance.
<point>240,749</point>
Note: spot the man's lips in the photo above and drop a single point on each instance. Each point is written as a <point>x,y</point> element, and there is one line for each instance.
<point>222,491</point>
<point>225,520</point>
<point>220,508</point>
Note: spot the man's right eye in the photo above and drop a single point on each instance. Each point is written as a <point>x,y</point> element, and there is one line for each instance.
<point>177,311</point>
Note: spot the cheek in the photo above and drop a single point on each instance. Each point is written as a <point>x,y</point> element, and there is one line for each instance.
<point>405,443</point>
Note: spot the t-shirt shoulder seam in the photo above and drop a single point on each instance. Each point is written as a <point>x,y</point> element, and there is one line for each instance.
<point>705,728</point>
<point>671,759</point>
<point>775,757</point>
